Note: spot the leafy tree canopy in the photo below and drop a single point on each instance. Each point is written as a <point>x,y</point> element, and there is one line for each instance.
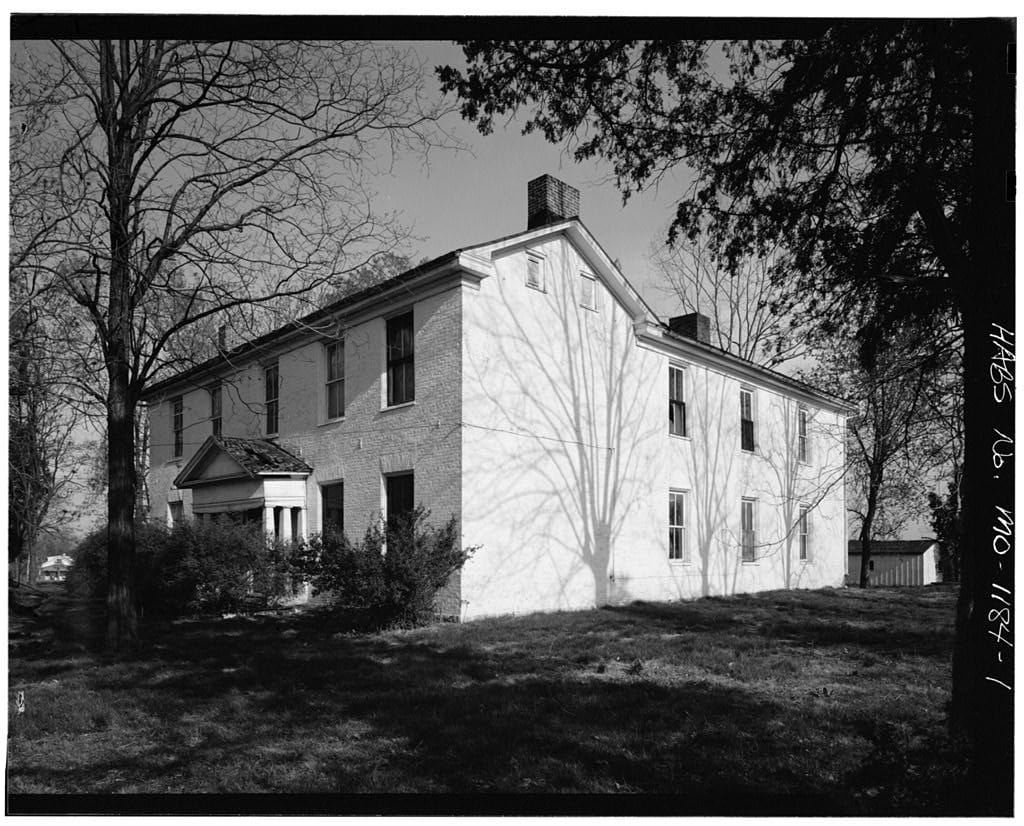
<point>851,151</point>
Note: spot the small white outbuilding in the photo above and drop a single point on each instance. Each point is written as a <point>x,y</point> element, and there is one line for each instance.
<point>903,562</point>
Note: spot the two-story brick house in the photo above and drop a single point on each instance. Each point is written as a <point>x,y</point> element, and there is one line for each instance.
<point>593,453</point>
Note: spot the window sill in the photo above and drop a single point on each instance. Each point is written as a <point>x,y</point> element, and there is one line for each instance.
<point>398,406</point>
<point>327,422</point>
<point>681,436</point>
<point>749,452</point>
<point>590,309</point>
<point>177,460</point>
<point>680,563</point>
<point>754,562</point>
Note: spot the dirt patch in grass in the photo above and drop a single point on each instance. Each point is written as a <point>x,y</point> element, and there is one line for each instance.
<point>838,695</point>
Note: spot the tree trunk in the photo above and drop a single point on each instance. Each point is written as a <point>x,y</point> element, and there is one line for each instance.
<point>982,700</point>
<point>122,623</point>
<point>865,532</point>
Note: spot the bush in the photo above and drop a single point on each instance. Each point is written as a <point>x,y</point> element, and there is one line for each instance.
<point>196,567</point>
<point>394,574</point>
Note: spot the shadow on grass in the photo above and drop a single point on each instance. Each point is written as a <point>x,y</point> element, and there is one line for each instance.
<point>293,704</point>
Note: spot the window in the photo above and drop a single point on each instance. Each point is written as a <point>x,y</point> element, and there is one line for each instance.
<point>534,273</point>
<point>801,434</point>
<point>803,532</point>
<point>676,402</point>
<point>271,381</point>
<point>401,386</point>
<point>176,513</point>
<point>588,291</point>
<point>748,530</point>
<point>399,489</point>
<point>746,419</point>
<point>677,549</point>
<point>333,507</point>
<point>215,409</point>
<point>177,425</point>
<point>336,380</point>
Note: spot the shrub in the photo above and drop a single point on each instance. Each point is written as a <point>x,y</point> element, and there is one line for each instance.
<point>196,567</point>
<point>394,574</point>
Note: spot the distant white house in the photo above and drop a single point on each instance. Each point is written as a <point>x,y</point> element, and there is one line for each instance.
<point>903,562</point>
<point>593,453</point>
<point>55,568</point>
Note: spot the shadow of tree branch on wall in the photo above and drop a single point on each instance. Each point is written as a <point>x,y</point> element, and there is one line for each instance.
<point>565,394</point>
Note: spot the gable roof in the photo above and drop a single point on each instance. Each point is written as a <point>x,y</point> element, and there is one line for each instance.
<point>474,261</point>
<point>903,546</point>
<point>254,457</point>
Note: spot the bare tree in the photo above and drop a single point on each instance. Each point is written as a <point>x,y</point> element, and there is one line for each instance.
<point>42,456</point>
<point>208,179</point>
<point>893,442</point>
<point>742,304</point>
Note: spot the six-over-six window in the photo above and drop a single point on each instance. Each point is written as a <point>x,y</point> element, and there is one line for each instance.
<point>677,547</point>
<point>401,381</point>
<point>676,401</point>
<point>335,379</point>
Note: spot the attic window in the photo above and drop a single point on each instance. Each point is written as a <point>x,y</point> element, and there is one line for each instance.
<point>588,291</point>
<point>534,272</point>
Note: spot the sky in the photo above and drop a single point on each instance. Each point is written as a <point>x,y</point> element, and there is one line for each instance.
<point>469,197</point>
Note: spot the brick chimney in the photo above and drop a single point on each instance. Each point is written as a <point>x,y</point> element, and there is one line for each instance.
<point>549,200</point>
<point>692,325</point>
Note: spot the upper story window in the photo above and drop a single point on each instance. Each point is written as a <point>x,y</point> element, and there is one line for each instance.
<point>803,532</point>
<point>272,390</point>
<point>677,548</point>
<point>676,401</point>
<point>746,419</point>
<point>535,272</point>
<point>748,529</point>
<point>802,452</point>
<point>588,291</point>
<point>178,425</point>
<point>401,381</point>
<point>335,379</point>
<point>216,408</point>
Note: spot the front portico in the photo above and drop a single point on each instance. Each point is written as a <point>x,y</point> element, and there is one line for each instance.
<point>252,479</point>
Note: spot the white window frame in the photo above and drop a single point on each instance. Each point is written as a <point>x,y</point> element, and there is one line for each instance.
<point>681,370</point>
<point>538,284</point>
<point>586,279</point>
<point>749,391</point>
<point>752,502</point>
<point>677,508</point>
<point>803,442</point>
<point>178,426</point>
<point>386,379</point>
<point>216,391</point>
<point>275,400</point>
<point>328,381</point>
<point>803,527</point>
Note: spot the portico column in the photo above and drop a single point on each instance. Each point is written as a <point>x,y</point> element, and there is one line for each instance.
<point>301,524</point>
<point>286,525</point>
<point>268,519</point>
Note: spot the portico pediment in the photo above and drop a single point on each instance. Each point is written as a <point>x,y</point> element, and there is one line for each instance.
<point>222,459</point>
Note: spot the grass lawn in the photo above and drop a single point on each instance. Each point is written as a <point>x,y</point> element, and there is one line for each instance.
<point>836,696</point>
